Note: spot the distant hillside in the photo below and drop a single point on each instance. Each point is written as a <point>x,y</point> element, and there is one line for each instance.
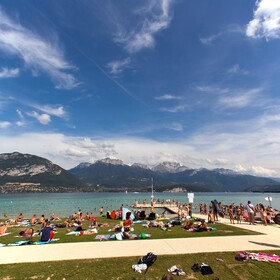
<point>26,172</point>
<point>114,174</point>
<point>267,188</point>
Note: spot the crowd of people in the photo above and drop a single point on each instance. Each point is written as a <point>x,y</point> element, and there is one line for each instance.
<point>240,213</point>
<point>236,213</point>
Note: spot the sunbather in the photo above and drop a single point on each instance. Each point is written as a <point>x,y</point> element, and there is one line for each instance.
<point>28,232</point>
<point>3,229</point>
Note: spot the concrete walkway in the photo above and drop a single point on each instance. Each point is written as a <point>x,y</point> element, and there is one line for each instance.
<point>268,239</point>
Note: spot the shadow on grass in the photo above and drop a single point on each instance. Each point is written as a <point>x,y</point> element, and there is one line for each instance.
<point>265,244</point>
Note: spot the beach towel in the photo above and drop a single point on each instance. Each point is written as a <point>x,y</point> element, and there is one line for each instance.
<point>264,257</point>
<point>45,242</point>
<point>102,237</point>
<point>140,267</point>
<point>77,233</point>
<point>19,243</point>
<point>6,233</point>
<point>139,222</point>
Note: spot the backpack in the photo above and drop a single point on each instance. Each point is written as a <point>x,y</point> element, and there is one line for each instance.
<point>277,219</point>
<point>149,259</point>
<point>242,256</point>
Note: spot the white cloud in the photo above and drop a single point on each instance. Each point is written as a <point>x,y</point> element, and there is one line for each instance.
<point>57,111</point>
<point>256,171</point>
<point>266,21</point>
<point>175,126</point>
<point>248,152</point>
<point>235,69</point>
<point>227,30</point>
<point>19,113</point>
<point>239,99</point>
<point>213,89</point>
<point>38,54</point>
<point>4,124</point>
<point>118,66</point>
<point>156,17</point>
<point>168,97</point>
<point>42,118</point>
<point>21,122</point>
<point>176,109</point>
<point>8,73</point>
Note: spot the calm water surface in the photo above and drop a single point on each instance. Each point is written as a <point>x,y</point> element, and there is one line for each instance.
<point>64,204</point>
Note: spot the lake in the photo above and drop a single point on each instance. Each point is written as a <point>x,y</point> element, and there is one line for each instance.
<point>65,204</point>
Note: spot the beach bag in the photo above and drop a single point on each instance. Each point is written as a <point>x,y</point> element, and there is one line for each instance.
<point>241,256</point>
<point>277,219</point>
<point>206,269</point>
<point>149,259</point>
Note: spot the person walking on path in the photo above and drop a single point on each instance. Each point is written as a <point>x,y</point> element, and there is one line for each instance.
<point>263,214</point>
<point>251,212</point>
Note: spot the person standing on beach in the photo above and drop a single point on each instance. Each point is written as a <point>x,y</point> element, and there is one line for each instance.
<point>231,214</point>
<point>101,211</point>
<point>251,211</point>
<point>263,214</point>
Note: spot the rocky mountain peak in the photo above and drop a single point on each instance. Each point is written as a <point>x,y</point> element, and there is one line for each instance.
<point>170,167</point>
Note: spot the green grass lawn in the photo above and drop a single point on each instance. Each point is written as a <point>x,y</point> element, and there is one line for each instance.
<point>156,233</point>
<point>120,268</point>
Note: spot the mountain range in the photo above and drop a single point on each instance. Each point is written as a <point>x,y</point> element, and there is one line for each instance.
<point>24,172</point>
<point>116,174</point>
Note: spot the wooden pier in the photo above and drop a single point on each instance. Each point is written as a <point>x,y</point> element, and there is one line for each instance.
<point>172,208</point>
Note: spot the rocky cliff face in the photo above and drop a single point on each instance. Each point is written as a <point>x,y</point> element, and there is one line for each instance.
<point>18,169</point>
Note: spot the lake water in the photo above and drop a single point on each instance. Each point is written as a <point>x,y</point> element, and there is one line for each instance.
<point>64,204</point>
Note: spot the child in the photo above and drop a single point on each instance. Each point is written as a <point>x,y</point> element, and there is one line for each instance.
<point>238,215</point>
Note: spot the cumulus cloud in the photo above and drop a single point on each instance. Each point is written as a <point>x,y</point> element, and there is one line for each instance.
<point>256,171</point>
<point>253,148</point>
<point>38,54</point>
<point>44,119</point>
<point>9,73</point>
<point>156,17</point>
<point>266,21</point>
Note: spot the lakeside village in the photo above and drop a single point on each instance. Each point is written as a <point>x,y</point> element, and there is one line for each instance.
<point>20,187</point>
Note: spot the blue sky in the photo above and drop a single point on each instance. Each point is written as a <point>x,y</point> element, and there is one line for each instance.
<point>194,82</point>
